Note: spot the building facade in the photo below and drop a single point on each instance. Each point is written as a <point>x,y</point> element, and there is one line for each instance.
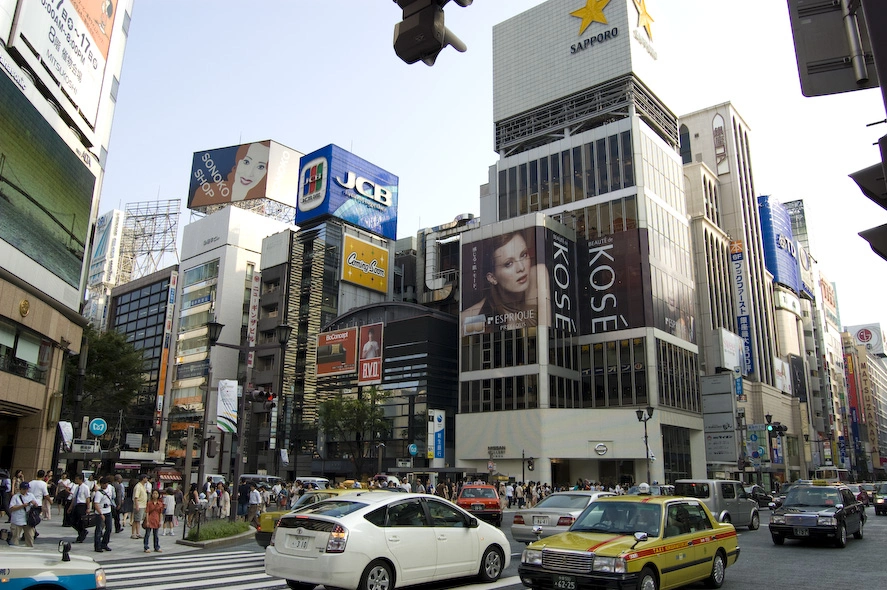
<point>583,138</point>
<point>55,125</point>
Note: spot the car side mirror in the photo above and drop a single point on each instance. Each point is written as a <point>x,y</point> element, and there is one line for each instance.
<point>772,505</point>
<point>472,522</point>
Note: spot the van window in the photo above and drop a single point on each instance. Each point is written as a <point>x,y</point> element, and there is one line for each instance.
<point>728,491</point>
<point>692,489</point>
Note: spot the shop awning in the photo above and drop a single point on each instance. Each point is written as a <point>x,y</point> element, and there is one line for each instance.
<point>169,476</point>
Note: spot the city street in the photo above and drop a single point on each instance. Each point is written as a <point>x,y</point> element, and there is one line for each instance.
<point>242,568</point>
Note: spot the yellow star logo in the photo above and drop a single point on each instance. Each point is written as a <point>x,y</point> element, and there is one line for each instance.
<point>592,13</point>
<point>644,18</point>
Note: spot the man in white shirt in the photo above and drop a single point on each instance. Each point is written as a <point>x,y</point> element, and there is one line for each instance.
<point>80,504</point>
<point>255,502</point>
<point>39,490</point>
<point>18,514</point>
<point>101,503</point>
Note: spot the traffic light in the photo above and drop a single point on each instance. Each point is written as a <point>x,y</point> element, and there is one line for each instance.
<point>256,396</point>
<point>269,401</point>
<point>212,447</point>
<point>422,35</point>
<point>530,465</point>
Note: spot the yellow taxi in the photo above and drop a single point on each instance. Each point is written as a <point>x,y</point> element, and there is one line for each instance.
<point>644,542</point>
<point>268,520</point>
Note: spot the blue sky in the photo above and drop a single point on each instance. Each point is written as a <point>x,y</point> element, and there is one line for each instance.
<point>307,73</point>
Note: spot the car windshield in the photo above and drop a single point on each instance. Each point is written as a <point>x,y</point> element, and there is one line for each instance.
<point>883,489</point>
<point>334,508</point>
<point>565,501</point>
<point>869,487</point>
<point>810,497</point>
<point>479,493</point>
<point>622,518</point>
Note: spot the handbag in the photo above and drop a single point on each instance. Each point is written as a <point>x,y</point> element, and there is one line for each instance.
<point>34,516</point>
<point>89,520</point>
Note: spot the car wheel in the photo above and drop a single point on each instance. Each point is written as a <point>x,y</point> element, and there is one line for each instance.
<point>648,580</point>
<point>718,570</point>
<point>841,540</point>
<point>778,539</point>
<point>491,565</point>
<point>755,522</point>
<point>300,585</point>
<point>858,534</point>
<point>378,575</point>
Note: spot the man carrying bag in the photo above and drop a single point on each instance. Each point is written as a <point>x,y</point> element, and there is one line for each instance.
<point>78,508</point>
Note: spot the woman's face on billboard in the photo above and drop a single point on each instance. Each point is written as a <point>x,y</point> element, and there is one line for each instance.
<point>511,266</point>
<point>251,169</point>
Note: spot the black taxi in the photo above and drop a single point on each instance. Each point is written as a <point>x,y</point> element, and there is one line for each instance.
<point>818,510</point>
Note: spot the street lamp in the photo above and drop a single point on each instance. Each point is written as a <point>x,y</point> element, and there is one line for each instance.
<point>214,331</point>
<point>379,447</point>
<point>643,416</point>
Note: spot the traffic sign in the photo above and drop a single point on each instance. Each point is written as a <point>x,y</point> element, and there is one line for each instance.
<point>414,449</point>
<point>97,427</point>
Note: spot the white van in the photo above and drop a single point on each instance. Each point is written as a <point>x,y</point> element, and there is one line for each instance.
<point>321,483</point>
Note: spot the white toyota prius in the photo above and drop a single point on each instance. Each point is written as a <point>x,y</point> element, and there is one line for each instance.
<point>379,541</point>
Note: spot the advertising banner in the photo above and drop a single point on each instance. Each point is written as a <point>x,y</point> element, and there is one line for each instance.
<point>807,282</point>
<point>337,352</point>
<point>46,191</point>
<point>782,375</point>
<point>780,255</point>
<point>502,277</point>
<point>798,385</point>
<point>335,182</point>
<point>561,261</point>
<point>226,416</point>
<point>743,302</point>
<point>229,174</point>
<point>614,282</point>
<point>436,434</point>
<point>370,363</point>
<point>869,335</point>
<point>365,264</point>
<point>66,43</point>
<point>252,326</point>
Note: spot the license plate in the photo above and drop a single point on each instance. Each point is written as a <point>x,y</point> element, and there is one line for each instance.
<point>297,542</point>
<point>564,583</point>
<point>801,531</point>
<point>477,506</point>
<point>540,520</point>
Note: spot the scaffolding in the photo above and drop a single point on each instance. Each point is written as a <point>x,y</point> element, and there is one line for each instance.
<point>150,231</point>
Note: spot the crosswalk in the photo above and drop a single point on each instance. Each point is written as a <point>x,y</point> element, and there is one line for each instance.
<point>232,570</point>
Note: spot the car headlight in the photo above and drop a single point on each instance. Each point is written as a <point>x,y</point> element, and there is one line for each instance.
<point>827,521</point>
<point>531,557</point>
<point>610,565</point>
<point>100,579</point>
<point>777,519</point>
<point>879,500</point>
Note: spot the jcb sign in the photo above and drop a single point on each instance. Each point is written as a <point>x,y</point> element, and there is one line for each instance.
<point>337,183</point>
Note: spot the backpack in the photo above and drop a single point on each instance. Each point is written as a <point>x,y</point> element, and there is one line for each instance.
<point>33,514</point>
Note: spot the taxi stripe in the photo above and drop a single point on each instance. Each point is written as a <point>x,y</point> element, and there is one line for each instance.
<point>602,543</point>
<point>677,546</point>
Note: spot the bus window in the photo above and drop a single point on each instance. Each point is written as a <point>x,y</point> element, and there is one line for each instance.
<point>832,474</point>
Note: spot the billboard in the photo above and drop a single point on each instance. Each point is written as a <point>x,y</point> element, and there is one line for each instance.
<point>335,182</point>
<point>337,352</point>
<point>66,43</point>
<point>614,282</point>
<point>806,279</point>
<point>732,350</point>
<point>869,335</point>
<point>46,191</point>
<point>370,363</point>
<point>257,170</point>
<point>743,304</point>
<point>780,253</point>
<point>798,372</point>
<point>365,264</point>
<point>502,277</point>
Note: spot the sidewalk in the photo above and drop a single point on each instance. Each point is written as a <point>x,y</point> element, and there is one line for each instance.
<point>122,547</point>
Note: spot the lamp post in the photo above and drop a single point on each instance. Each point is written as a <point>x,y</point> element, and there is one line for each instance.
<point>214,331</point>
<point>379,447</point>
<point>644,416</point>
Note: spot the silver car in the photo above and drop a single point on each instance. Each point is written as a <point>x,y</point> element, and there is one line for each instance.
<point>552,515</point>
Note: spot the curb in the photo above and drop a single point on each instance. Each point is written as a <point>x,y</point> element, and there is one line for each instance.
<point>223,542</point>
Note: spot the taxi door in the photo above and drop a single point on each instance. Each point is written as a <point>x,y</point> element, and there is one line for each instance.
<point>457,545</point>
<point>411,542</point>
<point>679,562</point>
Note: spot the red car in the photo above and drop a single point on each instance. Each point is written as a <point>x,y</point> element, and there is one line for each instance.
<point>482,501</point>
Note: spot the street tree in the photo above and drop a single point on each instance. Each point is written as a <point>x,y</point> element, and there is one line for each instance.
<point>352,420</point>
